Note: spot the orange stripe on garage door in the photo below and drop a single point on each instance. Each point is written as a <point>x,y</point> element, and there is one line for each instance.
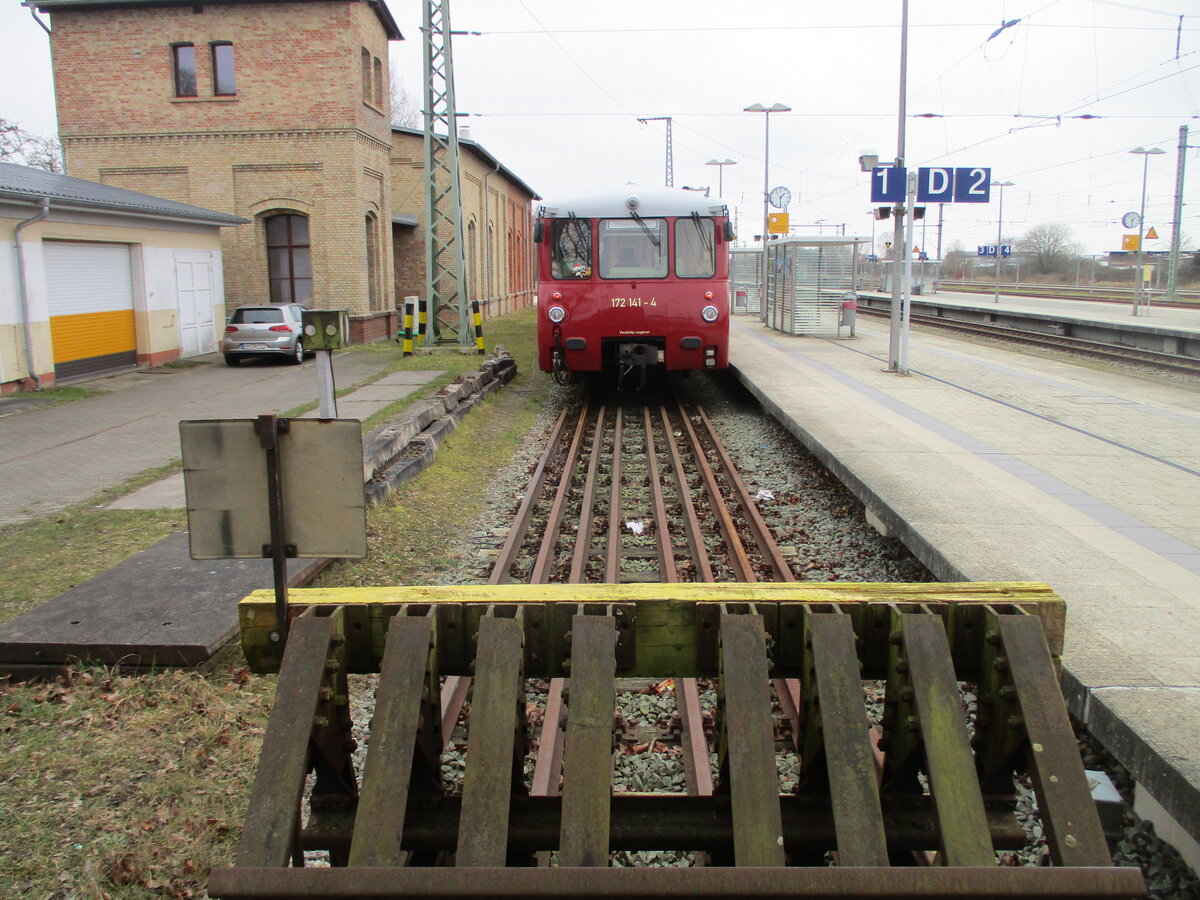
<point>92,334</point>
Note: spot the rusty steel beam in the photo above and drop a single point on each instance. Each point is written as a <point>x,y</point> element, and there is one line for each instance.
<point>671,883</point>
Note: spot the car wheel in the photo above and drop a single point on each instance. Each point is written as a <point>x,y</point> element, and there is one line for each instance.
<point>298,354</point>
<point>231,360</point>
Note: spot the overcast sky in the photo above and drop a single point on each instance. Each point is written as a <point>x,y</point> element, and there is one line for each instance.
<point>554,88</point>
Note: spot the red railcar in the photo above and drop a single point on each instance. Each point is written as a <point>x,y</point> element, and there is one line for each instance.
<point>633,280</point>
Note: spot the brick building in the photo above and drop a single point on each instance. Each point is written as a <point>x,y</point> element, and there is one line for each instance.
<point>498,254</point>
<point>273,110</point>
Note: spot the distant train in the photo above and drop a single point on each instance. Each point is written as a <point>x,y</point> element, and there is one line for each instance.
<point>631,281</point>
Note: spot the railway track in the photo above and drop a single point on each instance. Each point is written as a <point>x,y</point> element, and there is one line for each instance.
<point>637,553</point>
<point>1187,299</point>
<point>1095,349</point>
<point>642,493</point>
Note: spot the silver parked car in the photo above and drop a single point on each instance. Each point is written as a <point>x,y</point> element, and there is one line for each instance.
<point>272,329</point>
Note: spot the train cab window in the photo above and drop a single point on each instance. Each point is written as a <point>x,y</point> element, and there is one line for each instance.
<point>694,244</point>
<point>571,248</point>
<point>633,248</point>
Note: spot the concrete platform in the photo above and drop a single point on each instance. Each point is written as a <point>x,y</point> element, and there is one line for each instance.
<point>161,607</point>
<point>997,465</point>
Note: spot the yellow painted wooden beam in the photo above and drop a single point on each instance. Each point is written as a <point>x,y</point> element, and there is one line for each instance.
<point>665,621</point>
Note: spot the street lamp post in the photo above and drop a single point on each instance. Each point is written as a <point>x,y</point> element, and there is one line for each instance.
<point>721,164</point>
<point>1137,266</point>
<point>1000,231</point>
<point>766,111</point>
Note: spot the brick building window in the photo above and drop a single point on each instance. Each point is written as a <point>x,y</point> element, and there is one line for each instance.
<point>224,82</point>
<point>378,82</point>
<point>289,259</point>
<point>366,75</point>
<point>183,64</point>
<point>372,263</point>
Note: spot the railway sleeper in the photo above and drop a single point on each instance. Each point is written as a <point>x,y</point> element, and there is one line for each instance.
<point>923,790</point>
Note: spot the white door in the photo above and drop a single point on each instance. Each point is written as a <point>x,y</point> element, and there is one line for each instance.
<point>194,290</point>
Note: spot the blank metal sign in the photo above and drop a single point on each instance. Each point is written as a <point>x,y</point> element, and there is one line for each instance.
<point>225,479</point>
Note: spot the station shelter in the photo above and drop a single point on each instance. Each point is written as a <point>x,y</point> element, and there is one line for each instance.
<point>807,280</point>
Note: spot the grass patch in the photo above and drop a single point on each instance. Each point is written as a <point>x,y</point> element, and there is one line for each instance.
<point>134,787</point>
<point>418,535</point>
<point>126,787</point>
<point>41,558</point>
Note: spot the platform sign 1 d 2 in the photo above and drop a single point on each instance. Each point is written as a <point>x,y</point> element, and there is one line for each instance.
<point>965,184</point>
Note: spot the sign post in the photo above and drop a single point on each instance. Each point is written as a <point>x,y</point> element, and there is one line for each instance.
<point>897,186</point>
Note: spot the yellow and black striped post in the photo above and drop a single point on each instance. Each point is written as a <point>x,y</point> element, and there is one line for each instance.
<point>478,326</point>
<point>421,323</point>
<point>409,311</point>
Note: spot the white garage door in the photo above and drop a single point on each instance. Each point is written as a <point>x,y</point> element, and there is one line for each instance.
<point>90,291</point>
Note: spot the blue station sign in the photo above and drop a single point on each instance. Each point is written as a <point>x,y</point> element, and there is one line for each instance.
<point>963,184</point>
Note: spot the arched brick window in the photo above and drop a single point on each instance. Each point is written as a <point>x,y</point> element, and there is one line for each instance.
<point>372,263</point>
<point>289,258</point>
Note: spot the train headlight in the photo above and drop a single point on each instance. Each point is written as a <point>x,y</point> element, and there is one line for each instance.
<point>557,314</point>
<point>708,314</point>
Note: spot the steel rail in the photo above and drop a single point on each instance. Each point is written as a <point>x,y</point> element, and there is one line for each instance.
<point>612,567</point>
<point>662,528</point>
<point>583,534</point>
<point>516,533</point>
<point>736,550</point>
<point>696,545</point>
<point>544,563</point>
<point>754,520</point>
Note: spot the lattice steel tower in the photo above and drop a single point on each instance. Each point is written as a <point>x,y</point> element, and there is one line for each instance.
<point>445,262</point>
<point>670,174</point>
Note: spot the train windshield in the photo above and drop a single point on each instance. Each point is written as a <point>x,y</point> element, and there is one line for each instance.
<point>633,248</point>
<point>571,247</point>
<point>694,257</point>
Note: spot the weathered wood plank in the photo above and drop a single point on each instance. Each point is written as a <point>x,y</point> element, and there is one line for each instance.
<point>379,820</point>
<point>269,833</point>
<point>587,757</point>
<point>496,704</point>
<point>949,762</point>
<point>1069,815</point>
<point>849,762</point>
<point>754,782</point>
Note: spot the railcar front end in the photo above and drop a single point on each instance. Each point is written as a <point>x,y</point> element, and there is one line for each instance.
<point>633,282</point>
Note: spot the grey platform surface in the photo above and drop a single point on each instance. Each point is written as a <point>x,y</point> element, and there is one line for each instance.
<point>1174,318</point>
<point>997,465</point>
<point>160,606</point>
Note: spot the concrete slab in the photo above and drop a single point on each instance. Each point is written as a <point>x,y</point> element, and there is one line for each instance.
<point>986,463</point>
<point>159,607</point>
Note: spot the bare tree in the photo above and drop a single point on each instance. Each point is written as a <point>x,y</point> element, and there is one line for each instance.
<point>406,111</point>
<point>1050,247</point>
<point>28,149</point>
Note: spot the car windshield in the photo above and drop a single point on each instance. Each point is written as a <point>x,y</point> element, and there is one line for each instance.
<point>256,316</point>
<point>633,248</point>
